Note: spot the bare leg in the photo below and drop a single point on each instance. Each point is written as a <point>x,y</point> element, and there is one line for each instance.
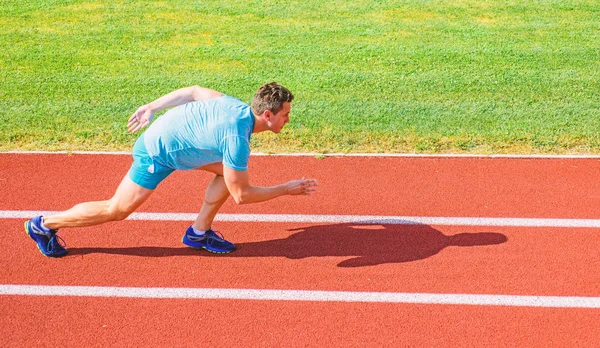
<point>128,197</point>
<point>216,194</point>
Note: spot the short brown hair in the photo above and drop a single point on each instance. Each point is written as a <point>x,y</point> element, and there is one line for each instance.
<point>270,96</point>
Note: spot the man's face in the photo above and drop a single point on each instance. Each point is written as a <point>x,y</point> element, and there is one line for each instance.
<point>279,119</point>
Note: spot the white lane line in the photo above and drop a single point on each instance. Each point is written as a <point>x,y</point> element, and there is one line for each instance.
<point>316,154</point>
<point>358,219</point>
<point>303,295</point>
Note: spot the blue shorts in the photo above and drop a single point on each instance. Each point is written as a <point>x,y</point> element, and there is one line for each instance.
<point>144,171</point>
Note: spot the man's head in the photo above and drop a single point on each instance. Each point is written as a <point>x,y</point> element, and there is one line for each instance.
<point>272,101</point>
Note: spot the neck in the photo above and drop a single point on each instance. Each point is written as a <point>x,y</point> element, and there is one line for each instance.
<point>260,125</point>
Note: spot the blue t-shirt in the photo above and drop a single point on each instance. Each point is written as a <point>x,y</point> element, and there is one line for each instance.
<point>202,132</point>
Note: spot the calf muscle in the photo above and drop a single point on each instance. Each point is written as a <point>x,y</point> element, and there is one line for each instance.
<point>128,197</point>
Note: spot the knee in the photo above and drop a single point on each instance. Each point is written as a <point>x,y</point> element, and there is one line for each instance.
<point>121,215</point>
<point>116,213</point>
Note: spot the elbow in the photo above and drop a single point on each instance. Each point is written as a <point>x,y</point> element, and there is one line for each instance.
<point>196,92</point>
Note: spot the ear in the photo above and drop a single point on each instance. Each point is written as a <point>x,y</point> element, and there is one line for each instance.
<point>268,114</point>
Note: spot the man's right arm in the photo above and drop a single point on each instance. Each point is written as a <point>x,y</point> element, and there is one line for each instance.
<point>238,184</point>
<point>143,116</point>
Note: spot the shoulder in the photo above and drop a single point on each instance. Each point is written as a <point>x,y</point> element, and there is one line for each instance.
<point>227,99</point>
<point>234,107</point>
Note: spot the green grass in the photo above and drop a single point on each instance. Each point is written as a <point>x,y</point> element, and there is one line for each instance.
<point>368,76</point>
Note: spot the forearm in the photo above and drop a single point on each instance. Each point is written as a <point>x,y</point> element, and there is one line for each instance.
<point>242,192</point>
<point>175,98</point>
<point>256,194</point>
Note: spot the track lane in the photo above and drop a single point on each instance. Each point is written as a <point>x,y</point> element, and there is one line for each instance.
<point>487,187</point>
<point>192,323</point>
<point>340,257</point>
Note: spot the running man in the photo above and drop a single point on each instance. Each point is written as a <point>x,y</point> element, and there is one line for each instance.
<point>204,130</point>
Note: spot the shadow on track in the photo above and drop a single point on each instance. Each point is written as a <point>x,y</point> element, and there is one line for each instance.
<point>365,245</point>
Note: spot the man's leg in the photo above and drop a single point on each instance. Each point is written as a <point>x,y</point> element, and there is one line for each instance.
<point>215,196</point>
<point>128,197</point>
<point>200,234</point>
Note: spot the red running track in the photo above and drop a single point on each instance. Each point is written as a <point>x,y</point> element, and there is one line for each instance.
<point>341,257</point>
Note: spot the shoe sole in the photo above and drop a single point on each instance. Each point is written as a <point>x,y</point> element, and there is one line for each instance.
<point>27,230</point>
<point>210,251</point>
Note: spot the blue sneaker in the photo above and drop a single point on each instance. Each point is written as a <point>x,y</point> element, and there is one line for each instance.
<point>47,241</point>
<point>211,241</point>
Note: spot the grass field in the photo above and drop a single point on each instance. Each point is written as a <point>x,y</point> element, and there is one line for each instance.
<point>368,76</point>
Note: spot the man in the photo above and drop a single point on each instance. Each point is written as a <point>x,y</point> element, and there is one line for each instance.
<point>205,130</point>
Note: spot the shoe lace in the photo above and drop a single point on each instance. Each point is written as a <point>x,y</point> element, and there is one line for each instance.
<point>54,242</point>
<point>214,236</point>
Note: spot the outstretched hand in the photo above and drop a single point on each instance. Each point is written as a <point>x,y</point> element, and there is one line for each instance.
<point>140,119</point>
<point>302,186</point>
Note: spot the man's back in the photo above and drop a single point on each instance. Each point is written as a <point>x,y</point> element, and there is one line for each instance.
<point>202,132</point>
